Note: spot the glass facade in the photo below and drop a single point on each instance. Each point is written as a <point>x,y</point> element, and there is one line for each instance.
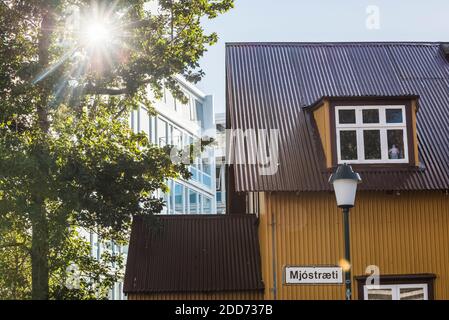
<point>185,199</point>
<point>196,195</point>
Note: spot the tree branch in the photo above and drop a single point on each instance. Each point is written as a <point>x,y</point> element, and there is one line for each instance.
<point>90,89</point>
<point>14,244</point>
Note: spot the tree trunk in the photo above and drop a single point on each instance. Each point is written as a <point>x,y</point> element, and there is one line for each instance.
<point>39,256</point>
<point>40,233</point>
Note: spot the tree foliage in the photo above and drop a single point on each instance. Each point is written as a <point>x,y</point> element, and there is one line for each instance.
<point>68,159</point>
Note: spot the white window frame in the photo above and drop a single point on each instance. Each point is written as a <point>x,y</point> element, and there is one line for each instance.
<point>382,126</point>
<point>396,289</point>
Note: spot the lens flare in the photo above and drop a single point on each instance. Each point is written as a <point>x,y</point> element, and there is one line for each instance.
<point>344,264</point>
<point>98,34</point>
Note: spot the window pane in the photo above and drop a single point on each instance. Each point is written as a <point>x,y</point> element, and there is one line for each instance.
<point>184,108</point>
<point>348,145</point>
<point>194,173</point>
<point>395,144</point>
<point>200,201</point>
<point>346,116</point>
<point>179,203</point>
<point>206,166</point>
<point>134,120</point>
<point>218,178</point>
<point>144,120</point>
<point>394,115</point>
<point>411,294</point>
<point>380,294</point>
<point>199,111</point>
<point>193,197</point>
<point>162,132</point>
<point>207,180</point>
<point>207,208</point>
<point>370,116</point>
<point>371,140</point>
<point>169,134</point>
<point>177,138</point>
<point>152,133</point>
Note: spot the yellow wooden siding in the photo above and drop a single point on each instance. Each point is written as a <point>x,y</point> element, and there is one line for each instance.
<point>253,295</point>
<point>322,119</point>
<point>402,234</point>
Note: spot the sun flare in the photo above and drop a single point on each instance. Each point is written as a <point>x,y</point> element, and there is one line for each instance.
<point>98,33</point>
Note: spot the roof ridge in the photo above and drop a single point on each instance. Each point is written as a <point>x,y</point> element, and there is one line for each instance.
<point>337,43</point>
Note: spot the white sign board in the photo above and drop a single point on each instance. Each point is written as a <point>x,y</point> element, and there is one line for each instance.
<point>313,275</point>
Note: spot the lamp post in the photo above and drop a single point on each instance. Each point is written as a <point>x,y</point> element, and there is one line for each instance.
<point>345,182</point>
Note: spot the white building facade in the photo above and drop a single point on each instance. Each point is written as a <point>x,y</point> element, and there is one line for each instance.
<point>176,124</point>
<point>181,125</point>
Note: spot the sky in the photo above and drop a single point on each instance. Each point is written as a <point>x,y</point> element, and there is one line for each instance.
<point>319,21</point>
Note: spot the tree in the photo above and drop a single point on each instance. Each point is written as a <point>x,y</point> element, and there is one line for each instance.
<point>73,272</point>
<point>70,72</point>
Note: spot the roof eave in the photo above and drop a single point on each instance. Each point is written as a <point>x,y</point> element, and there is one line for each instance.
<point>323,99</point>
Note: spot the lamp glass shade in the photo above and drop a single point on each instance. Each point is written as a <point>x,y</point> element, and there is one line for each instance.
<point>345,190</point>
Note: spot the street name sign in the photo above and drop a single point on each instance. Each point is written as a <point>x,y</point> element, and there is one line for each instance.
<point>313,275</point>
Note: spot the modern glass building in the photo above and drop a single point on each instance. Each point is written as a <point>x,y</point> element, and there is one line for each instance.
<point>176,124</point>
<point>181,125</point>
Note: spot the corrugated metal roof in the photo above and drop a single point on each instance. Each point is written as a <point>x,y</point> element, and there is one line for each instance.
<point>268,84</point>
<point>194,253</point>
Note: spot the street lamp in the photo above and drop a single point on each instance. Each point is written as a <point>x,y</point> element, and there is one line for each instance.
<point>345,182</point>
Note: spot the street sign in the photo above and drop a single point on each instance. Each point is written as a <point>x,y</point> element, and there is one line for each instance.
<point>313,275</point>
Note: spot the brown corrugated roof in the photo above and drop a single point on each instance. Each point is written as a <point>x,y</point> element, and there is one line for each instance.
<point>194,253</point>
<point>270,84</point>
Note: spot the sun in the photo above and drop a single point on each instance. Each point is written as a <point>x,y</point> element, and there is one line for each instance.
<point>98,33</point>
<point>94,40</point>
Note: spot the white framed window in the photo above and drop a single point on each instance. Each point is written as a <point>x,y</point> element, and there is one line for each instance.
<point>371,134</point>
<point>397,292</point>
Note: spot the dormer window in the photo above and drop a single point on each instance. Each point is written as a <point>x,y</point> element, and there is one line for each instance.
<point>371,134</point>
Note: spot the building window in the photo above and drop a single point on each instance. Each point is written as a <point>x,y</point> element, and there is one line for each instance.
<point>197,113</point>
<point>184,108</point>
<point>397,287</point>
<point>162,132</point>
<point>207,205</point>
<point>397,292</point>
<point>193,202</point>
<point>179,198</point>
<point>144,121</point>
<point>177,138</point>
<point>206,172</point>
<point>218,177</point>
<point>371,134</point>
